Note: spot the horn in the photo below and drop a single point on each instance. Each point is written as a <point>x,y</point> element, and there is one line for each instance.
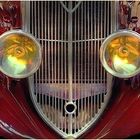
<point>120,54</point>
<point>20,54</point>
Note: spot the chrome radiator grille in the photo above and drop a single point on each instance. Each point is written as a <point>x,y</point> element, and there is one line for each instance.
<point>71,88</point>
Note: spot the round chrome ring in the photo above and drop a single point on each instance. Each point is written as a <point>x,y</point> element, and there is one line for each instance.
<point>123,70</point>
<point>20,54</point>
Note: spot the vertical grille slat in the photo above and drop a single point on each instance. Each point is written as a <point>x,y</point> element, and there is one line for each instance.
<point>54,53</point>
<point>45,49</point>
<point>88,72</point>
<point>65,49</point>
<point>71,33</point>
<point>62,62</point>
<point>104,35</point>
<point>91,60</point>
<point>42,69</point>
<point>38,35</point>
<point>48,62</point>
<point>74,69</point>
<point>101,68</point>
<point>98,64</point>
<point>77,67</point>
<point>81,75</point>
<point>95,53</point>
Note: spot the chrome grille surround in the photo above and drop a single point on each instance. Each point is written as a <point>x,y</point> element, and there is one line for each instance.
<point>71,89</point>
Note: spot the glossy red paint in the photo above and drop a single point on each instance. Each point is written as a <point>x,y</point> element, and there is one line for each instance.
<point>19,119</point>
<point>10,15</point>
<point>121,118</point>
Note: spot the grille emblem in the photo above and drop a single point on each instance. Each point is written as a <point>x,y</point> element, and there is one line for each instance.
<point>70,9</point>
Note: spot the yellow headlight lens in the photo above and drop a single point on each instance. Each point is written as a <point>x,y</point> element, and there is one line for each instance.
<point>20,54</point>
<point>120,54</point>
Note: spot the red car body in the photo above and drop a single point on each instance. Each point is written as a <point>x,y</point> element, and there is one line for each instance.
<point>19,119</point>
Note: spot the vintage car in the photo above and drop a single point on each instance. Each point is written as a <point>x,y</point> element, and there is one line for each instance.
<point>69,69</point>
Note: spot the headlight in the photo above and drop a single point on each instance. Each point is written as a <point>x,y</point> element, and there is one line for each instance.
<point>120,54</point>
<point>20,54</point>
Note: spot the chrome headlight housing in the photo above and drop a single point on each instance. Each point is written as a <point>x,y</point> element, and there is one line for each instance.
<point>20,54</point>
